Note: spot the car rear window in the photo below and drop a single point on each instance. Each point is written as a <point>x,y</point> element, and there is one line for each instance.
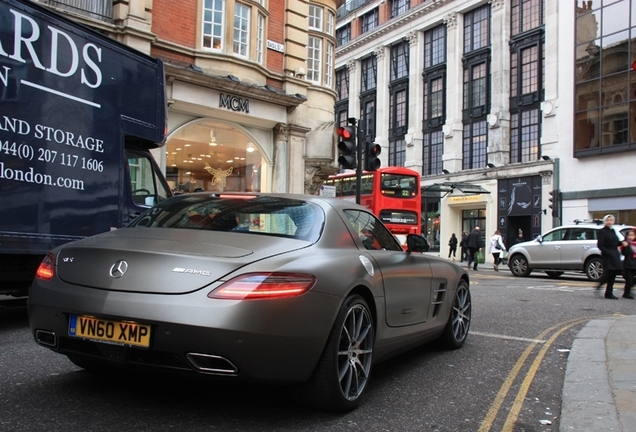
<point>261,215</point>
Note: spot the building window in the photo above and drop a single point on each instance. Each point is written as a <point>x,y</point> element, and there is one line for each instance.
<point>315,18</point>
<point>331,19</point>
<point>342,100</point>
<point>343,34</point>
<point>435,46</point>
<point>314,54</point>
<point>260,37</point>
<point>342,84</point>
<point>397,152</point>
<point>475,145</point>
<point>369,21</point>
<point>329,65</point>
<point>213,15</point>
<point>525,130</point>
<point>400,61</point>
<point>434,100</point>
<point>476,91</point>
<point>398,112</point>
<point>398,7</point>
<point>526,15</point>
<point>432,151</point>
<point>605,89</point>
<point>241,29</point>
<point>368,84</point>
<point>367,117</point>
<point>369,74</point>
<point>526,80</point>
<point>477,29</point>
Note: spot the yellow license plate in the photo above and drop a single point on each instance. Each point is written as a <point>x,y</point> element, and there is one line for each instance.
<point>118,332</point>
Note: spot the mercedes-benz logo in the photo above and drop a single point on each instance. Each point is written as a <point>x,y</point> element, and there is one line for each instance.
<point>118,269</point>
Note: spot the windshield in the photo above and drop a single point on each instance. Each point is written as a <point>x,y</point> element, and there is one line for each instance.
<point>262,215</point>
<point>398,185</point>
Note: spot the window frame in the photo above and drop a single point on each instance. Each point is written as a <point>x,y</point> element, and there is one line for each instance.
<point>329,64</point>
<point>469,161</point>
<point>316,18</point>
<point>399,7</point>
<point>261,21</point>
<point>343,35</point>
<point>311,71</point>
<point>469,38</point>
<point>367,25</point>
<point>432,152</point>
<point>517,23</point>
<point>245,32</point>
<point>213,25</point>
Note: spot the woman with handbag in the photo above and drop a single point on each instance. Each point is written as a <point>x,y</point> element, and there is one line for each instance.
<point>496,248</point>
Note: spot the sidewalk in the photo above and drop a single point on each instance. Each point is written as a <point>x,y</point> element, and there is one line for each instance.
<point>599,392</point>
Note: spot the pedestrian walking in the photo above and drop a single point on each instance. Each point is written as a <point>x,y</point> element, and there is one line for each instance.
<point>463,249</point>
<point>608,242</point>
<point>496,247</point>
<point>629,263</point>
<point>474,243</point>
<point>452,246</point>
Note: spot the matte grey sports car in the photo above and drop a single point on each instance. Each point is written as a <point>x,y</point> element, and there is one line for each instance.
<point>283,288</point>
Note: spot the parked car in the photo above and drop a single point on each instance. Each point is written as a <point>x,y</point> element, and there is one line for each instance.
<point>291,289</point>
<point>565,248</point>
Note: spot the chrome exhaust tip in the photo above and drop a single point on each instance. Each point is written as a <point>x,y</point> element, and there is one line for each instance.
<point>212,364</point>
<point>46,338</point>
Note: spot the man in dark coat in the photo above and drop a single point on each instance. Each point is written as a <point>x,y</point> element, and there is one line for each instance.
<point>608,242</point>
<point>462,245</point>
<point>474,242</point>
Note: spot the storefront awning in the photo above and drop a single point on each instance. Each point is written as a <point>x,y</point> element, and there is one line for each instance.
<point>449,187</point>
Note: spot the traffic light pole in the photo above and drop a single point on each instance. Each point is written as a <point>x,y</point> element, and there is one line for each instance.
<point>352,121</point>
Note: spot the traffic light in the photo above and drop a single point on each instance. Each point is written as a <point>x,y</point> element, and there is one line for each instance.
<point>371,160</point>
<point>554,202</point>
<point>347,146</point>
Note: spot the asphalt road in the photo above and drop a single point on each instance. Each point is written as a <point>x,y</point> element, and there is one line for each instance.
<point>508,376</point>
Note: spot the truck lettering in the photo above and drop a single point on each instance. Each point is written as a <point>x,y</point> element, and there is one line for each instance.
<point>14,125</point>
<point>68,138</point>
<point>91,75</point>
<point>4,77</point>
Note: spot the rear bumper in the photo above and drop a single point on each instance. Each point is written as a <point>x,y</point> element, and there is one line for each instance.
<point>271,340</point>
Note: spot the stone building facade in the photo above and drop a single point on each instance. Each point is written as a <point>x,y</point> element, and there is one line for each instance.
<point>250,86</point>
<point>502,105</point>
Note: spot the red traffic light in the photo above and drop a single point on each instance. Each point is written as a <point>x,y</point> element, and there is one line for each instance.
<point>344,132</point>
<point>375,150</point>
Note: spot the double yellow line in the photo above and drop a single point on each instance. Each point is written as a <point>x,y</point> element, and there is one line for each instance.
<point>558,329</point>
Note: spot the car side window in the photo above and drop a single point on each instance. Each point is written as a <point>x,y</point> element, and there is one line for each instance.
<point>582,234</point>
<point>556,235</point>
<point>372,233</point>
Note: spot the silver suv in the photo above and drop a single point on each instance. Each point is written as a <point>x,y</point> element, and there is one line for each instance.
<point>565,248</point>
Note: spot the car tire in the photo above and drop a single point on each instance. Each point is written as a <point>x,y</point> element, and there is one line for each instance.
<point>342,374</point>
<point>519,266</point>
<point>594,269</point>
<point>554,274</point>
<point>458,323</point>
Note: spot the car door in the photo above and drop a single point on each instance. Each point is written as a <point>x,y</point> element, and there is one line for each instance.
<point>574,251</point>
<point>547,252</point>
<point>407,277</point>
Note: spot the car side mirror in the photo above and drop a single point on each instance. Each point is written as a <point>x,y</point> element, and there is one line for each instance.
<point>416,243</point>
<point>540,239</point>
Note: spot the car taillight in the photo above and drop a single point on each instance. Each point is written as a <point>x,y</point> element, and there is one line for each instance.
<point>252,286</point>
<point>46,271</point>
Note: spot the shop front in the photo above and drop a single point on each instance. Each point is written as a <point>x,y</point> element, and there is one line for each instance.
<point>519,210</point>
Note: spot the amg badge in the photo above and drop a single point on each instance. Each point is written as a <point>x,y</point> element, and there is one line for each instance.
<point>191,271</point>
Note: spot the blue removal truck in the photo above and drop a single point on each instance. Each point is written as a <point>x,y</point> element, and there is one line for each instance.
<point>79,113</point>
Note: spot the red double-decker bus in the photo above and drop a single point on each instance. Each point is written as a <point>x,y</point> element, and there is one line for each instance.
<point>391,193</point>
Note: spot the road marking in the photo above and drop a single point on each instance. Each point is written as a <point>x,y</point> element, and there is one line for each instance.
<point>499,336</point>
<point>486,424</point>
<point>525,386</point>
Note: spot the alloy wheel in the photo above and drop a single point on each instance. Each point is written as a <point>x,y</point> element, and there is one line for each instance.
<point>461,313</point>
<point>355,352</point>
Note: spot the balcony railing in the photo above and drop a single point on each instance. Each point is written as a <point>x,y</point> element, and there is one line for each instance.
<point>101,10</point>
<point>349,7</point>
